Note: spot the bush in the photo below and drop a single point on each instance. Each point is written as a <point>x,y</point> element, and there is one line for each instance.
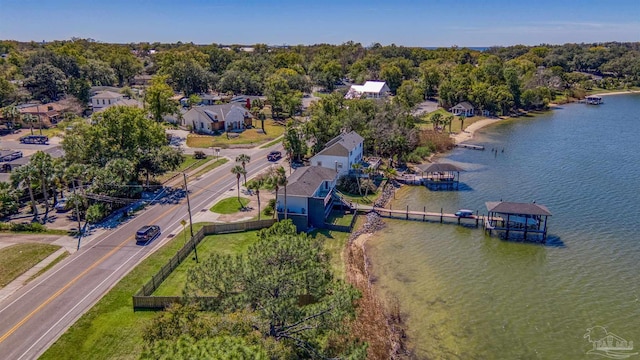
<point>269,209</point>
<point>419,154</point>
<point>96,212</point>
<point>199,155</point>
<point>26,227</point>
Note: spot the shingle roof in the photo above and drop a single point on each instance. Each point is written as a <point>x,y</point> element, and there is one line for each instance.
<point>465,105</point>
<point>211,111</point>
<point>342,144</point>
<point>107,95</point>
<point>305,180</point>
<point>517,208</point>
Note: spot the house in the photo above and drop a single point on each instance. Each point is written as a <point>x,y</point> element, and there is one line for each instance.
<point>370,90</point>
<point>310,196</point>
<point>463,108</point>
<point>122,102</point>
<point>208,99</point>
<point>105,99</point>
<point>141,80</point>
<point>340,153</point>
<point>49,114</point>
<point>215,118</point>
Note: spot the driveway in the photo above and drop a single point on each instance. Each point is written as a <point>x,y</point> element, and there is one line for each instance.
<point>425,107</point>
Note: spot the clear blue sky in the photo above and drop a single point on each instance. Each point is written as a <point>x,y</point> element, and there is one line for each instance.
<point>403,22</point>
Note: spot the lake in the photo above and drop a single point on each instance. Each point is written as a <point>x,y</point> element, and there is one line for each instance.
<point>466,295</point>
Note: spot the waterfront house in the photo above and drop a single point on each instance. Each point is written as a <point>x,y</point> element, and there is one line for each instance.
<point>310,196</point>
<point>463,108</point>
<point>340,153</point>
<point>215,118</point>
<point>370,90</point>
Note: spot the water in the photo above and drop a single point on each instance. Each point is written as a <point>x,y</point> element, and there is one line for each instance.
<point>470,296</point>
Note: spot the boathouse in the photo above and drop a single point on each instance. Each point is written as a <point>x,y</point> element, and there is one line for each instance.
<point>510,217</point>
<point>593,100</point>
<point>440,175</point>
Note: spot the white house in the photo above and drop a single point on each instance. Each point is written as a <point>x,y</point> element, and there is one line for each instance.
<point>309,197</point>
<point>209,119</point>
<point>105,99</point>
<point>122,102</point>
<point>463,108</point>
<point>340,153</point>
<point>370,90</point>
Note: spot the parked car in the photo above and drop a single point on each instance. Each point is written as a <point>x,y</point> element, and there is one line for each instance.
<point>464,213</point>
<point>35,139</point>
<point>147,233</point>
<point>274,156</point>
<point>12,156</point>
<point>62,205</point>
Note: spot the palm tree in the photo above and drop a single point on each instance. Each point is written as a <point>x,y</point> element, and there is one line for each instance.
<point>255,185</point>
<point>356,167</point>
<point>447,121</point>
<point>369,171</point>
<point>238,171</point>
<point>27,175</point>
<point>389,172</point>
<point>43,162</point>
<point>30,119</point>
<point>58,178</point>
<point>281,180</point>
<point>244,159</point>
<point>462,118</point>
<point>12,115</point>
<point>436,118</point>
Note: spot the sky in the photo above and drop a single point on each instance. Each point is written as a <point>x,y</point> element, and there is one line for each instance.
<point>402,22</point>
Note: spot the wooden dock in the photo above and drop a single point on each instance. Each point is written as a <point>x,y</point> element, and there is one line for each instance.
<point>470,146</point>
<point>424,215</point>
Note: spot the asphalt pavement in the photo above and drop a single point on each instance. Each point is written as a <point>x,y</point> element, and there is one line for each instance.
<point>38,314</point>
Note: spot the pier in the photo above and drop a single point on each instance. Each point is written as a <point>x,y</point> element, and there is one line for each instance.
<point>470,146</point>
<point>434,176</point>
<point>406,214</point>
<point>525,218</point>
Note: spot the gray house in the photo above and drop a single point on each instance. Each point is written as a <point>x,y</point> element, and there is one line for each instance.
<point>213,118</point>
<point>463,108</point>
<point>310,196</point>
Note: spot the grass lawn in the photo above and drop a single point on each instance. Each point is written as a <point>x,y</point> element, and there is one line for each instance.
<point>210,166</point>
<point>252,136</point>
<point>340,218</point>
<point>425,123</point>
<point>271,143</point>
<point>222,244</point>
<point>46,268</point>
<point>110,329</point>
<point>335,243</point>
<point>189,162</point>
<point>361,199</point>
<point>16,259</point>
<point>229,205</point>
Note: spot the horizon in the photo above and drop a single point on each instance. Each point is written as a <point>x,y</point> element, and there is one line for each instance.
<point>464,24</point>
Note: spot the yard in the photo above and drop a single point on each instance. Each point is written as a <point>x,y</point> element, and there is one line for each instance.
<point>16,259</point>
<point>229,205</point>
<point>425,122</point>
<point>253,136</point>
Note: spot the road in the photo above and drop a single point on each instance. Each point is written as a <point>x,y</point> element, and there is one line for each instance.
<point>39,313</point>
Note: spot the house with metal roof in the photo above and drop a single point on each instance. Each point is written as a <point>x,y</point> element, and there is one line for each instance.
<point>104,99</point>
<point>215,118</point>
<point>309,196</point>
<point>340,153</point>
<point>369,90</point>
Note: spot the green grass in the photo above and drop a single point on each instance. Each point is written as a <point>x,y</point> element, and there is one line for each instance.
<point>230,205</point>
<point>335,243</point>
<point>361,199</point>
<point>248,137</point>
<point>111,329</point>
<point>210,166</point>
<point>16,259</point>
<point>271,143</point>
<point>189,162</point>
<point>46,268</point>
<point>223,244</point>
<point>340,218</point>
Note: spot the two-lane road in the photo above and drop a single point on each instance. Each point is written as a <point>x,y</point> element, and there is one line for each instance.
<point>35,316</point>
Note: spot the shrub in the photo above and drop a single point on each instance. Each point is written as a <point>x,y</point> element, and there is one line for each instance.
<point>349,185</point>
<point>269,209</point>
<point>26,227</point>
<point>96,212</point>
<point>199,155</point>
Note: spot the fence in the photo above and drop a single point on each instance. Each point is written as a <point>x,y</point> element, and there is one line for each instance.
<point>143,300</point>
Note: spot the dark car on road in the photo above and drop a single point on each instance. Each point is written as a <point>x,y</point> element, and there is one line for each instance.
<point>35,139</point>
<point>274,156</point>
<point>147,233</point>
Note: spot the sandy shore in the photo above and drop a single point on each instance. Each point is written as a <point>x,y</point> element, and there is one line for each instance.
<point>618,93</point>
<point>467,133</point>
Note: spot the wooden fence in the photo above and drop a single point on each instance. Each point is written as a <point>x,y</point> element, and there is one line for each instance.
<point>143,300</point>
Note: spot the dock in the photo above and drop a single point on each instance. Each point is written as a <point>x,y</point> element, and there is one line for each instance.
<point>470,146</point>
<point>406,214</point>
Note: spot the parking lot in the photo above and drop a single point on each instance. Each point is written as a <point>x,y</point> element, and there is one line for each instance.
<point>10,144</point>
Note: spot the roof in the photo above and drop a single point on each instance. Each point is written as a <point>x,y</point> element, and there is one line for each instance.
<point>517,208</point>
<point>342,144</point>
<point>464,105</point>
<point>107,95</point>
<point>439,167</point>
<point>122,102</point>
<point>214,113</point>
<point>372,86</point>
<point>305,180</point>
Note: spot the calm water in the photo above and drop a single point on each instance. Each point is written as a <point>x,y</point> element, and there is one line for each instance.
<point>470,296</point>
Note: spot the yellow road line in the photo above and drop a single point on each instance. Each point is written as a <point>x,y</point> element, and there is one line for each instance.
<point>93,266</point>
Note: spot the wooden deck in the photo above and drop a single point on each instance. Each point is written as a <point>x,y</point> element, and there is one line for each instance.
<point>407,214</point>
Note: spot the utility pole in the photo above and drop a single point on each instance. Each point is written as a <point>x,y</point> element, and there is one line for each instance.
<point>195,248</point>
<point>77,214</point>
